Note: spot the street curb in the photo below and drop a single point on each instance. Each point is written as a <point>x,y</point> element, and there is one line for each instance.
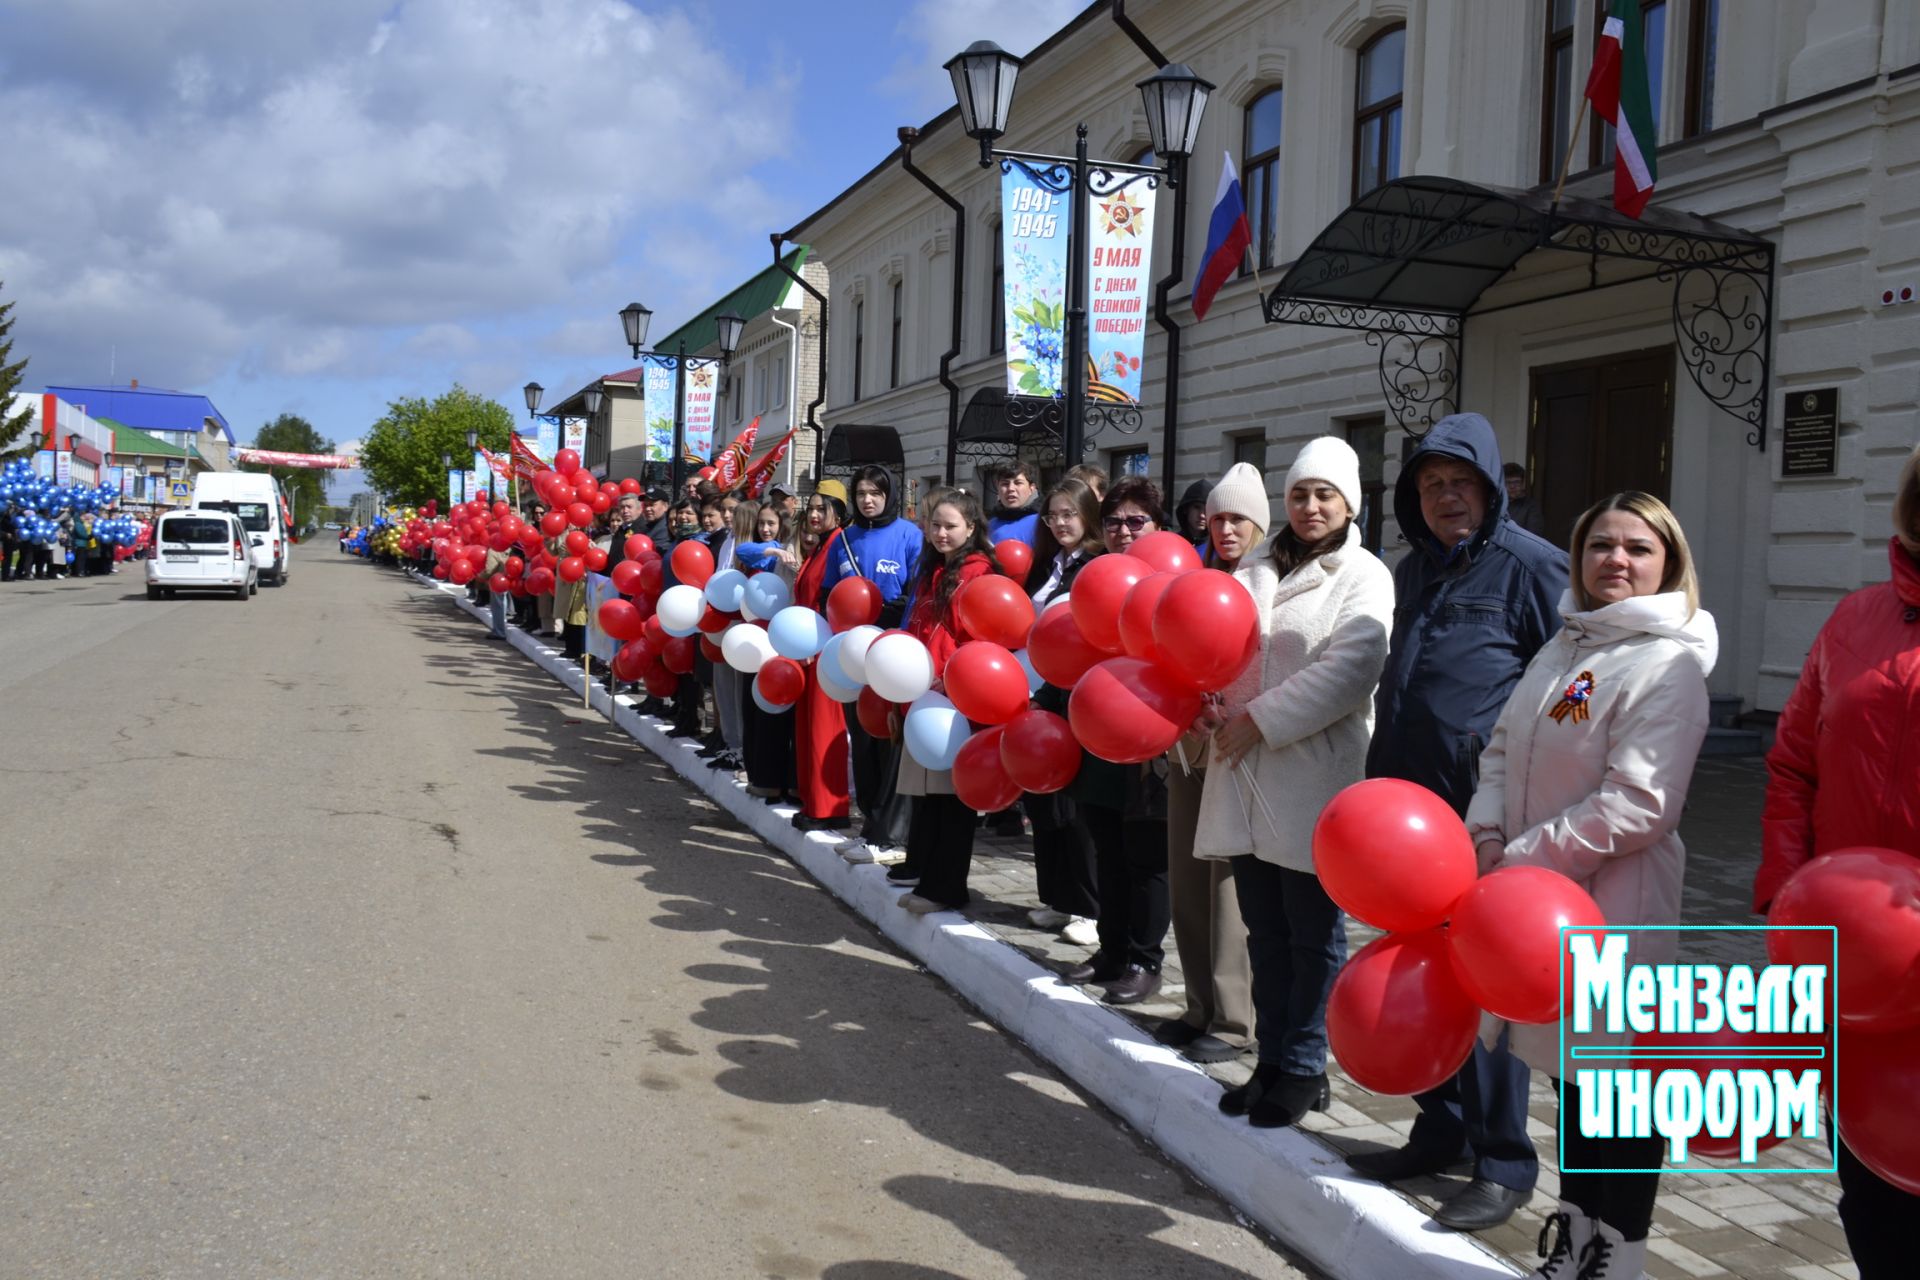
<point>1291,1185</point>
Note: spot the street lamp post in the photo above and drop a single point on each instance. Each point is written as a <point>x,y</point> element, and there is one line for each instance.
<point>473,446</point>
<point>446,461</point>
<point>634,319</point>
<point>1175,98</point>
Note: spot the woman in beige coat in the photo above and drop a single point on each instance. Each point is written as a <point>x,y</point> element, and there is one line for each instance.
<point>1296,728</point>
<point>1586,774</point>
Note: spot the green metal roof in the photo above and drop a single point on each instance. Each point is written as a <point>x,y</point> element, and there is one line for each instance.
<point>130,440</point>
<point>760,294</point>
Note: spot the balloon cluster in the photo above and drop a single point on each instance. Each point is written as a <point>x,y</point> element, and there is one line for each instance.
<point>27,493</point>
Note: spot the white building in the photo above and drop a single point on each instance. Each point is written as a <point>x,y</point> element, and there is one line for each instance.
<point>1792,128</point>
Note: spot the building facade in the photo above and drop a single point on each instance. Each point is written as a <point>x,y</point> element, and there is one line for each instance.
<point>1791,125</point>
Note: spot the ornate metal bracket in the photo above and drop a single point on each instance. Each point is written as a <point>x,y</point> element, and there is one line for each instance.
<point>1723,327</point>
<point>1420,353</point>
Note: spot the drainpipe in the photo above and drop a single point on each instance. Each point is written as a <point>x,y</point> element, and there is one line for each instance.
<point>793,379</point>
<point>909,135</point>
<point>780,238</point>
<point>1139,37</point>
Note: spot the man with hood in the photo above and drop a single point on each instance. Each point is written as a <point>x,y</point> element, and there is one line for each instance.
<point>1190,517</point>
<point>1475,598</point>
<point>1018,515</point>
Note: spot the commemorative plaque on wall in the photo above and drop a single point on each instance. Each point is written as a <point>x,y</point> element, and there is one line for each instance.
<point>1810,433</point>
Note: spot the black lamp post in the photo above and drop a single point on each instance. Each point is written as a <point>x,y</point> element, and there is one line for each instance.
<point>533,392</point>
<point>1175,98</point>
<point>446,462</point>
<point>634,319</point>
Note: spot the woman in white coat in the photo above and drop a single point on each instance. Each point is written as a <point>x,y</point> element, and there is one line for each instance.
<point>1586,774</point>
<point>1296,728</point>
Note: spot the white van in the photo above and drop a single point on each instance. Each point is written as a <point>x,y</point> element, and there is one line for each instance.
<point>256,498</point>
<point>200,551</point>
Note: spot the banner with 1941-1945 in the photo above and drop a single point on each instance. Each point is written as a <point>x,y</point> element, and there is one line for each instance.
<point>658,393</point>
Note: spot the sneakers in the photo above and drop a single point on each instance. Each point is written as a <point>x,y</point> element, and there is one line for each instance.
<point>887,855</point>
<point>1047,918</point>
<point>1082,932</point>
<point>856,851</point>
<point>1610,1256</point>
<point>1563,1242</point>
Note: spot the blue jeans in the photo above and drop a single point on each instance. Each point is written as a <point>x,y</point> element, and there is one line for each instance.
<point>1482,1110</point>
<point>1296,943</point>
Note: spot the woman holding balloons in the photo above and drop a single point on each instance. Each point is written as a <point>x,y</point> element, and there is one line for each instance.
<point>940,840</point>
<point>1844,774</point>
<point>1586,774</point>
<point>1294,732</point>
<point>819,722</point>
<point>767,742</point>
<point>731,689</point>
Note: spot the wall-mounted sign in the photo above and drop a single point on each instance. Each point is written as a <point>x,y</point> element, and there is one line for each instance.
<point>1810,434</point>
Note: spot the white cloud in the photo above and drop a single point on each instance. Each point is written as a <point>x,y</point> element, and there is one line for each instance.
<point>938,29</point>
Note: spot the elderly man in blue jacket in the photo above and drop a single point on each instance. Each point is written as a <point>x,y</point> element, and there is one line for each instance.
<point>1475,598</point>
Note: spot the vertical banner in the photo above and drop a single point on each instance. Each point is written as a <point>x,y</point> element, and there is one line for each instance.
<point>702,382</point>
<point>481,477</point>
<point>63,467</point>
<point>544,439</point>
<point>659,410</point>
<point>1033,246</point>
<point>456,481</point>
<point>602,646</point>
<point>1119,271</point>
<point>573,435</point>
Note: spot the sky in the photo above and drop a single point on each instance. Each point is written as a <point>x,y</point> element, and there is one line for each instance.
<point>317,209</point>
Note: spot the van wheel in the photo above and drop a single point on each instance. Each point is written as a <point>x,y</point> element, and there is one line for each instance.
<point>242,594</point>
<point>253,588</point>
<point>153,593</point>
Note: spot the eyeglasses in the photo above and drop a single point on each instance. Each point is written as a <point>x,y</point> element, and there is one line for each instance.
<point>1134,524</point>
<point>1060,517</point>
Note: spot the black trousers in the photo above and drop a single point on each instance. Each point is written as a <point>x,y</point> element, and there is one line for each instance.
<point>767,747</point>
<point>1296,943</point>
<point>940,848</point>
<point>1130,862</point>
<point>1876,1215</point>
<point>573,639</point>
<point>1063,863</point>
<point>8,550</point>
<point>1624,1201</point>
<point>876,767</point>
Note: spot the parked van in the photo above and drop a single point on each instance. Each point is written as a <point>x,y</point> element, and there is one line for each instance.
<point>255,497</point>
<point>200,551</point>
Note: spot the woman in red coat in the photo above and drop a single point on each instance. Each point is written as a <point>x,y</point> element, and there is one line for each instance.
<point>1844,772</point>
<point>820,723</point>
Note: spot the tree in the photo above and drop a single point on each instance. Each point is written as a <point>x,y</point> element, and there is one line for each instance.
<point>11,424</point>
<point>306,488</point>
<point>401,453</point>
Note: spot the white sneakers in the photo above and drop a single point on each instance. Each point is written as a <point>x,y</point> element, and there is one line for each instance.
<point>859,852</point>
<point>1047,918</point>
<point>1574,1246</point>
<point>1082,932</point>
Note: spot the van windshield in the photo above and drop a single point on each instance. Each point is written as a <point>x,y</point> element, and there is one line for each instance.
<point>193,530</point>
<point>253,515</point>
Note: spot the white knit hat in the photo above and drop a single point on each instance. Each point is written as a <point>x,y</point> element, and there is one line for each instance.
<point>1333,460</point>
<point>1242,492</point>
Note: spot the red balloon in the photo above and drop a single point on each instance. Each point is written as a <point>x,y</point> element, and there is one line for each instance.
<point>461,572</point>
<point>995,609</point>
<point>629,485</point>
<point>677,654</point>
<point>1166,551</point>
<point>439,571</point>
<point>631,660</point>
<point>980,780</point>
<point>1099,590</point>
<point>1505,937</point>
<point>600,503</point>
<point>713,622</point>
<point>1397,1019</point>
<point>554,523</point>
<point>1873,895</point>
<point>576,542</point>
<point>1136,615</point>
<point>500,583</point>
<point>873,711</point>
<point>781,681</point>
<point>692,564</point>
<point>499,540</point>
<point>661,683</point>
<point>1057,649</point>
<point>566,462</point>
<point>579,515</point>
<point>636,545</point>
<point>1013,557</point>
<point>1726,1037</point>
<point>853,602</point>
<point>514,567</point>
<point>656,631</point>
<point>1393,854</point>
<point>1039,751</point>
<point>710,651</point>
<point>653,578</point>
<point>621,620</point>
<point>539,582</point>
<point>596,558</point>
<point>572,569</point>
<point>530,537</point>
<point>1877,1089</point>
<point>987,684</point>
<point>1127,710</point>
<point>1205,627</point>
<point>626,578</point>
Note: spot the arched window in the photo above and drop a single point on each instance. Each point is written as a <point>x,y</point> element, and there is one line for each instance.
<point>1260,172</point>
<point>1376,110</point>
<point>1557,88</point>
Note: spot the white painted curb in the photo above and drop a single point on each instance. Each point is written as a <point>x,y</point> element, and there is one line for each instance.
<point>1294,1187</point>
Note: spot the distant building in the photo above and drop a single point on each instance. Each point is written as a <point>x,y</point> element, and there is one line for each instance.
<point>184,419</point>
<point>360,508</point>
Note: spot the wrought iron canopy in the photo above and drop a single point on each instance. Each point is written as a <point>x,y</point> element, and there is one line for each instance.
<point>1410,261</point>
<point>853,445</point>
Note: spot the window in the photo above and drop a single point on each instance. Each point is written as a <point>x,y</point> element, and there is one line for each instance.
<point>1260,173</point>
<point>1653,28</point>
<point>761,378</point>
<point>893,353</point>
<point>1703,42</point>
<point>779,382</point>
<point>997,296</point>
<point>1368,436</point>
<point>1251,449</point>
<point>859,344</point>
<point>1127,462</point>
<point>737,392</point>
<point>1556,89</point>
<point>1376,110</point>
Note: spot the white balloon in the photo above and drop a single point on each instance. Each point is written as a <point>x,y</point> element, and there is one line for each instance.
<point>853,651</point>
<point>680,609</point>
<point>898,667</point>
<point>935,731</point>
<point>799,633</point>
<point>745,647</point>
<point>830,683</point>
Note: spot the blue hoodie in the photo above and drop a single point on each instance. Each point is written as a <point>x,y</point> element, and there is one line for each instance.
<point>1465,624</point>
<point>885,550</point>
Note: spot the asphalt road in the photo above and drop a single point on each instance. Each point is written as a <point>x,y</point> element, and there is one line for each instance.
<point>334,941</point>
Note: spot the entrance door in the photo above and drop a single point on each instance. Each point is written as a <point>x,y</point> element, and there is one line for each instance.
<point>1597,427</point>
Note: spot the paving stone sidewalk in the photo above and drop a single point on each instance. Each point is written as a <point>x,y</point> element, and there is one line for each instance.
<point>1780,1227</point>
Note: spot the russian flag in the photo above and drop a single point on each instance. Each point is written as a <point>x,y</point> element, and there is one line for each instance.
<point>1228,235</point>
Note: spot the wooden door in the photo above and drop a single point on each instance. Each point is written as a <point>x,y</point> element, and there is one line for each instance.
<point>1597,427</point>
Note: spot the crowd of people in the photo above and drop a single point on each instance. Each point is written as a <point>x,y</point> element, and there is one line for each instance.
<point>1556,701</point>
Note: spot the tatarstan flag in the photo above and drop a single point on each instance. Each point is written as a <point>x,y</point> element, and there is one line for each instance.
<point>1617,88</point>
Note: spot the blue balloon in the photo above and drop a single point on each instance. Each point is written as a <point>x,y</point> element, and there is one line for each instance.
<point>763,704</point>
<point>725,589</point>
<point>767,595</point>
<point>935,731</point>
<point>798,633</point>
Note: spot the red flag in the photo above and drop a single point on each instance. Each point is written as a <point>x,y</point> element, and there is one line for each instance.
<point>761,474</point>
<point>731,463</point>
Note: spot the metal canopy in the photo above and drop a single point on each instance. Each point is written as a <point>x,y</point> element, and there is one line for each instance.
<point>1409,263</point>
<point>852,446</point>
<point>997,427</point>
